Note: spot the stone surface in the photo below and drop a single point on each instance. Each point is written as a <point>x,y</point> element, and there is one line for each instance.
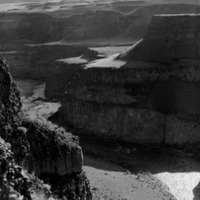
<point>15,183</point>
<point>9,96</point>
<point>47,152</point>
<point>114,121</point>
<point>152,99</point>
<point>52,151</point>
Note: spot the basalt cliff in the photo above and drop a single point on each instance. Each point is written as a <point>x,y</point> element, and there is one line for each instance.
<point>36,161</point>
<point>152,98</point>
<point>147,95</point>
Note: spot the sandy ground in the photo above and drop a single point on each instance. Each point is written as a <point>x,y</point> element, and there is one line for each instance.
<point>109,62</point>
<point>112,182</point>
<point>161,172</point>
<point>169,177</point>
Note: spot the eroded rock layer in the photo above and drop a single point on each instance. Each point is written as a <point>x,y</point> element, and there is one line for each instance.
<point>168,39</point>
<point>152,99</point>
<point>10,104</point>
<point>49,153</point>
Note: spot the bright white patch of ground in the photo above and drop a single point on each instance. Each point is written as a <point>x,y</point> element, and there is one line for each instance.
<point>110,50</point>
<point>33,106</point>
<point>110,62</point>
<point>181,185</point>
<point>73,60</point>
<point>41,110</point>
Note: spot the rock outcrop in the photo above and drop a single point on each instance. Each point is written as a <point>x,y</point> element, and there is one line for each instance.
<point>169,38</point>
<point>48,153</point>
<point>15,182</point>
<point>10,104</point>
<point>152,99</point>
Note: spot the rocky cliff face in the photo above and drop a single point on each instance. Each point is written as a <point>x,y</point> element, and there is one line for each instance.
<point>27,28</point>
<point>82,23</point>
<point>10,98</point>
<point>50,154</point>
<point>169,39</point>
<point>152,99</point>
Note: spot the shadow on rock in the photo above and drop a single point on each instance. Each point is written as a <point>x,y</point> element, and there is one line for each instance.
<point>196,192</point>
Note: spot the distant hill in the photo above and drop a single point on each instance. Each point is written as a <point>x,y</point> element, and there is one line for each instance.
<point>109,24</point>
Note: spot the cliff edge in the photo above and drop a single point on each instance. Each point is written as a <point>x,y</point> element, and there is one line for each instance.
<point>170,38</point>
<point>34,155</point>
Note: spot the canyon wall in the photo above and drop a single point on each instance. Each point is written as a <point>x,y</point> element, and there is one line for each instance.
<point>146,101</point>
<point>40,27</point>
<point>169,39</point>
<point>155,93</point>
<point>37,150</point>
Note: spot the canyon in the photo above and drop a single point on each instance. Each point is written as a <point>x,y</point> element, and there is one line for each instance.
<point>152,92</point>
<point>143,89</point>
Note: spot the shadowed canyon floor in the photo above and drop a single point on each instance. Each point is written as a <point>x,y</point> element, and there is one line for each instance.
<point>124,171</point>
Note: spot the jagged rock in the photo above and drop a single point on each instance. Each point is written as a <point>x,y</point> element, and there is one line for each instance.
<point>15,183</point>
<point>10,103</point>
<point>48,153</point>
<point>51,151</point>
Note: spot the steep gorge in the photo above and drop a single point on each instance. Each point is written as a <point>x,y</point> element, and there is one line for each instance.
<point>154,94</point>
<point>152,99</point>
